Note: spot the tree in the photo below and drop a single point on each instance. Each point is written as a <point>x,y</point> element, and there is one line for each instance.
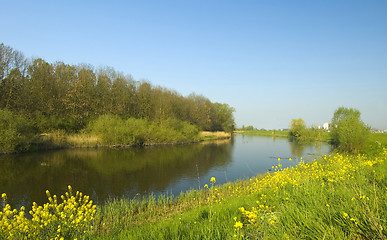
<point>80,97</point>
<point>349,134</point>
<point>225,118</point>
<point>297,128</point>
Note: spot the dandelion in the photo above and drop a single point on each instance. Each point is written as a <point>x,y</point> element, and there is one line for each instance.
<point>4,196</point>
<point>205,185</point>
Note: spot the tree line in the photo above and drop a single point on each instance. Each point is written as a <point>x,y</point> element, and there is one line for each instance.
<point>62,96</point>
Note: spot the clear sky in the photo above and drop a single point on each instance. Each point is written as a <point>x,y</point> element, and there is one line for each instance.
<point>273,61</point>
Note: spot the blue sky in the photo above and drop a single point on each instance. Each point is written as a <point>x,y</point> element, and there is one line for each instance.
<point>273,61</point>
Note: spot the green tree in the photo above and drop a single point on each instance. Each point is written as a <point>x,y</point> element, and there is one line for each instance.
<point>349,133</point>
<point>297,128</point>
<point>145,101</point>
<point>14,132</point>
<point>225,117</point>
<point>80,100</point>
<point>11,90</point>
<point>103,93</point>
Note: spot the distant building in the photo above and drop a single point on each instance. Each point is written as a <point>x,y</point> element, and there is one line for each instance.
<point>326,126</point>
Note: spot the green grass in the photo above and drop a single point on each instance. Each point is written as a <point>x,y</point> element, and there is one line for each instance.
<point>335,197</point>
<point>380,137</point>
<point>266,133</point>
<point>325,136</point>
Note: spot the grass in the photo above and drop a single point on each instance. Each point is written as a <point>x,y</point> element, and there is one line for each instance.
<point>60,139</point>
<point>206,135</point>
<point>272,133</point>
<point>324,136</point>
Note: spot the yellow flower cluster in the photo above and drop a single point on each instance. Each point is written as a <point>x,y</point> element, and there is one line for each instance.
<point>330,169</point>
<point>73,217</point>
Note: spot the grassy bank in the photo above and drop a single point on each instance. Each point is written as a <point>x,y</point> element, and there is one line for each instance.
<point>334,197</point>
<point>271,133</point>
<point>60,139</point>
<point>322,136</point>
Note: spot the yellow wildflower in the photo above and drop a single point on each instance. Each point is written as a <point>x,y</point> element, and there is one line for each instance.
<point>238,225</point>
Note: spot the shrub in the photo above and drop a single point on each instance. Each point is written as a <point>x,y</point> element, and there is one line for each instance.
<point>302,134</point>
<point>114,130</point>
<point>14,132</point>
<point>349,134</point>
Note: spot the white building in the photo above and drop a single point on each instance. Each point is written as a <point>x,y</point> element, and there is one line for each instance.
<point>326,126</point>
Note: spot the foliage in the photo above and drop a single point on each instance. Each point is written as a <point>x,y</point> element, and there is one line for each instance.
<point>225,117</point>
<point>349,134</point>
<point>246,128</point>
<point>14,132</point>
<point>114,130</point>
<point>302,134</point>
<point>67,220</point>
<point>297,127</point>
<point>60,96</point>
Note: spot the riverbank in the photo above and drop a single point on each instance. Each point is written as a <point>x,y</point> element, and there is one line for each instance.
<point>61,140</point>
<point>336,197</point>
<point>322,136</point>
<point>271,133</point>
<point>343,196</point>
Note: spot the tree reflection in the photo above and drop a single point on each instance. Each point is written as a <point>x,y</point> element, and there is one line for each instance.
<point>108,173</point>
<point>297,149</point>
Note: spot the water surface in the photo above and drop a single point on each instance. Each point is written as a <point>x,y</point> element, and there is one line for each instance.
<point>113,173</point>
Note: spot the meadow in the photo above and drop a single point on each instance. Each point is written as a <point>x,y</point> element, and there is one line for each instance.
<point>337,196</point>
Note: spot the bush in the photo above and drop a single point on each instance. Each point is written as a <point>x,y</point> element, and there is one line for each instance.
<point>302,134</point>
<point>349,134</point>
<point>114,130</point>
<point>15,131</point>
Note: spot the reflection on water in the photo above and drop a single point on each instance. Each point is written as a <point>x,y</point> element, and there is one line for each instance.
<point>111,173</point>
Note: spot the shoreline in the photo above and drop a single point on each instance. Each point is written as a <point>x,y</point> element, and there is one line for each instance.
<point>56,141</point>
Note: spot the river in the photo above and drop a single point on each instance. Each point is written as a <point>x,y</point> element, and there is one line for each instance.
<point>114,173</point>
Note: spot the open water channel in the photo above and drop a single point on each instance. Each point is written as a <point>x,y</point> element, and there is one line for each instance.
<point>113,173</point>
